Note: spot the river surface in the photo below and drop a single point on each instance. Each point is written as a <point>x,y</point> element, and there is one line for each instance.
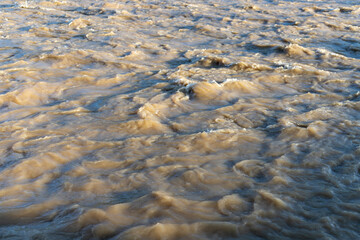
<point>169,119</point>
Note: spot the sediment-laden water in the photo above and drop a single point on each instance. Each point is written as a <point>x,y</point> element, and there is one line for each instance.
<point>170,119</point>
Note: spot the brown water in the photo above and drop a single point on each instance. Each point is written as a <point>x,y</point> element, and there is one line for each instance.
<point>174,119</point>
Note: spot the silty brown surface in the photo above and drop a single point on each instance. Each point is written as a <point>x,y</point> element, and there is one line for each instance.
<point>179,119</point>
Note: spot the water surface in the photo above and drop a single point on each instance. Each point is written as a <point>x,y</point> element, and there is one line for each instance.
<point>179,119</point>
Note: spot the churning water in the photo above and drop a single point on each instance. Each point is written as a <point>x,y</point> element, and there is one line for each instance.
<point>179,119</point>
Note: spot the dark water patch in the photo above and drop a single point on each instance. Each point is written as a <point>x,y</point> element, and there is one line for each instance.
<point>176,62</point>
<point>265,49</point>
<point>26,29</point>
<point>345,48</point>
<point>7,5</point>
<point>80,36</point>
<point>96,105</point>
<point>92,12</point>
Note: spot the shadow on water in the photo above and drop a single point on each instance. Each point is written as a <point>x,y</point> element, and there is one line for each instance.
<point>128,196</point>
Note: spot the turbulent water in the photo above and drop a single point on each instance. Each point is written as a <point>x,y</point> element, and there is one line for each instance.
<point>169,119</point>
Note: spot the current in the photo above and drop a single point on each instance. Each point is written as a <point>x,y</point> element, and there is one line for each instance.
<point>179,119</point>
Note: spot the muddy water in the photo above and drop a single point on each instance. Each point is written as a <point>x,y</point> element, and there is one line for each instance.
<point>176,119</point>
